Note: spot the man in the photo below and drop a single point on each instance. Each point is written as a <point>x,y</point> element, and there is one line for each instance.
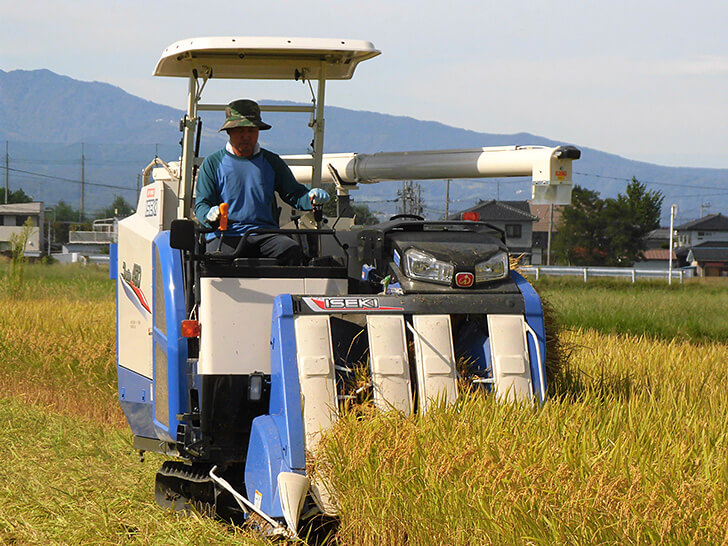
<point>245,176</point>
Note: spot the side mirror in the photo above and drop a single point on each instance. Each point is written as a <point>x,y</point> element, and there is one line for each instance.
<point>182,235</point>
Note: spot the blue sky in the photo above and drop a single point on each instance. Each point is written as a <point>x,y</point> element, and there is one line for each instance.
<point>647,80</point>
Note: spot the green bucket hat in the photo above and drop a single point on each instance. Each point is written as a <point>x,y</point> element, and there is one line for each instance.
<point>243,113</point>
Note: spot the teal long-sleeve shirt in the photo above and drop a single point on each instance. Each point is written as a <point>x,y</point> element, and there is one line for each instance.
<point>247,185</point>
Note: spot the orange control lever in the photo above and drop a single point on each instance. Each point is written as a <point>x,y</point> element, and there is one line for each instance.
<point>223,216</point>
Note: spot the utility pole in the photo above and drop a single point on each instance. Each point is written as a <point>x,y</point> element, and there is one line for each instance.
<point>139,187</point>
<point>551,225</point>
<point>703,206</point>
<point>673,212</point>
<point>83,181</point>
<point>447,199</point>
<point>7,173</point>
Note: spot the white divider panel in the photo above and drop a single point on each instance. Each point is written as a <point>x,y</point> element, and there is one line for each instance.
<point>316,376</point>
<point>436,372</point>
<point>509,352</point>
<point>389,363</point>
<point>319,400</point>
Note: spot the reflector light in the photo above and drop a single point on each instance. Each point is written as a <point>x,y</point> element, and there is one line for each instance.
<point>471,216</point>
<point>464,279</point>
<point>190,328</point>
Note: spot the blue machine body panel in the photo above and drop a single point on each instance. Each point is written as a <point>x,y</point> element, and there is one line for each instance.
<point>167,339</point>
<point>113,261</point>
<point>277,440</point>
<point>534,318</point>
<point>135,399</point>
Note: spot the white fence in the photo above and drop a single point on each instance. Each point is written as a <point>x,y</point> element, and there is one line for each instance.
<point>624,272</point>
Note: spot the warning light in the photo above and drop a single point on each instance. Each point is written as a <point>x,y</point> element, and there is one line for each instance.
<point>190,328</point>
<point>471,216</point>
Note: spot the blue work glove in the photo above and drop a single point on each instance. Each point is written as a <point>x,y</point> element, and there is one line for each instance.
<point>317,196</point>
<point>213,214</point>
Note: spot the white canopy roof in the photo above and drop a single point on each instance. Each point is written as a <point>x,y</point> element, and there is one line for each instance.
<point>275,58</point>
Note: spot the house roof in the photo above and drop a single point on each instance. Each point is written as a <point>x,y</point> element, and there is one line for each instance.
<point>658,254</point>
<point>500,211</point>
<point>708,251</point>
<point>542,213</point>
<point>710,254</point>
<point>712,222</point>
<point>661,233</point>
<point>34,207</point>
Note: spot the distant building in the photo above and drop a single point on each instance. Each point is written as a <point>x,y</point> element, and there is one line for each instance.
<point>703,244</point>
<point>713,227</point>
<point>709,258</point>
<point>13,217</point>
<point>657,258</point>
<point>513,217</point>
<point>90,245</point>
<point>658,238</point>
<point>541,231</point>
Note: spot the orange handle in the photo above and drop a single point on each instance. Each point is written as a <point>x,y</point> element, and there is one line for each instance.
<point>223,216</point>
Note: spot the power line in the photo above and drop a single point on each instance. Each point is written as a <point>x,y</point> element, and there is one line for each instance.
<point>622,179</point>
<point>99,184</point>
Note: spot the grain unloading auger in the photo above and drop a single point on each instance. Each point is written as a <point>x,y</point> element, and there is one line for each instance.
<point>235,366</point>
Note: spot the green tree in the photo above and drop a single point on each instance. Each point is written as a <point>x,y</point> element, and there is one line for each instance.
<point>66,218</point>
<point>630,218</point>
<point>607,232</point>
<point>119,208</point>
<point>17,196</point>
<point>581,239</point>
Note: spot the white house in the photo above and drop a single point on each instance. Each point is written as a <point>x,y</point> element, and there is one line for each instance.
<point>13,217</point>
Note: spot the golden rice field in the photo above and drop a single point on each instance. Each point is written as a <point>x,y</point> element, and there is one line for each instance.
<point>631,448</point>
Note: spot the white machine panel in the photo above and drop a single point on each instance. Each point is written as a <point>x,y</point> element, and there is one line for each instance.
<point>316,375</point>
<point>134,278</point>
<point>435,357</point>
<point>319,399</point>
<point>389,363</point>
<point>235,319</point>
<point>509,353</point>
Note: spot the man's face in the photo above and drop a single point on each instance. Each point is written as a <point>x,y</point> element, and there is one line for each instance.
<point>243,140</point>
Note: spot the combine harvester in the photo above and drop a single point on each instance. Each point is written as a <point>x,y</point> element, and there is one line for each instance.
<point>235,366</point>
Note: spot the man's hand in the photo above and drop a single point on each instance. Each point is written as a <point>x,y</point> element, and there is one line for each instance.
<point>317,196</point>
<point>213,214</point>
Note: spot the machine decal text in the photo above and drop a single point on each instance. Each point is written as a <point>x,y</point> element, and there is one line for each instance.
<point>348,304</point>
<point>151,208</point>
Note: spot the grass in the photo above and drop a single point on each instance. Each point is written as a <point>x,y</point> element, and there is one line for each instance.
<point>57,342</point>
<point>631,448</point>
<point>69,481</point>
<point>693,311</point>
<point>69,472</point>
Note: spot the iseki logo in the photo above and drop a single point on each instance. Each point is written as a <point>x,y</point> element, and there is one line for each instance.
<point>351,303</point>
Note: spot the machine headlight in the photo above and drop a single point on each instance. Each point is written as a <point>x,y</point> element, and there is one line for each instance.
<point>494,268</point>
<point>420,265</point>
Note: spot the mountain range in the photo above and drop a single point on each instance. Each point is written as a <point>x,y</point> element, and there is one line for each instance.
<point>45,118</point>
